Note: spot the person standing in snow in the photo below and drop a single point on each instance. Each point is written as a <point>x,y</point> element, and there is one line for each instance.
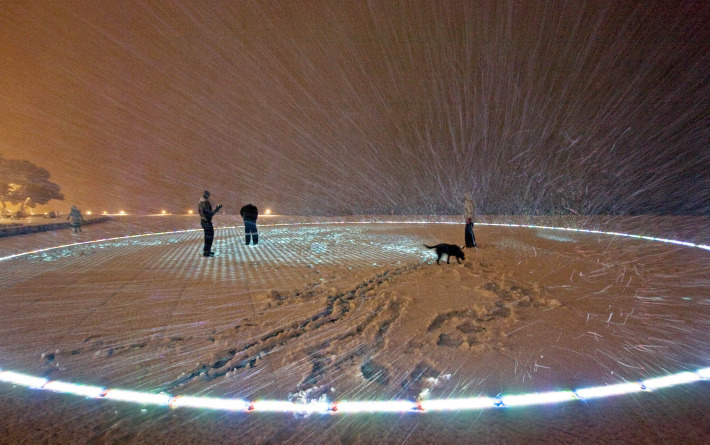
<point>469,214</point>
<point>205,209</point>
<point>77,219</point>
<point>249,214</point>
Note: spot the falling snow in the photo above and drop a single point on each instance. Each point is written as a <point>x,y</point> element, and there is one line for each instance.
<point>335,115</point>
<point>362,107</point>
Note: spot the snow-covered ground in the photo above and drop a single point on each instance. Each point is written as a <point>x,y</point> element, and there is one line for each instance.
<point>352,311</point>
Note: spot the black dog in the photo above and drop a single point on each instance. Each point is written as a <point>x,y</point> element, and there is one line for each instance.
<point>451,250</point>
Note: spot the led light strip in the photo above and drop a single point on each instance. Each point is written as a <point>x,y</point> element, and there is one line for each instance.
<point>345,406</point>
<point>392,406</point>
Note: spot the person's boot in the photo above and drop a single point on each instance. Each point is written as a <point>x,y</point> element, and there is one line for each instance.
<point>247,239</point>
<point>256,239</point>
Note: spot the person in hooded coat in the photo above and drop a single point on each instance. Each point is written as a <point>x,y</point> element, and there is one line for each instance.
<point>77,219</point>
<point>249,214</point>
<point>205,209</point>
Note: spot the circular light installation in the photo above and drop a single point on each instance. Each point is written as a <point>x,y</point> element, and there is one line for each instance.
<point>346,406</point>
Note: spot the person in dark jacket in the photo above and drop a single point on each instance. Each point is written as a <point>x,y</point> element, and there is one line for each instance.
<point>206,214</point>
<point>76,219</point>
<point>249,214</point>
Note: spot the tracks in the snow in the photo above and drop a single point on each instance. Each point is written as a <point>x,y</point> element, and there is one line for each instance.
<point>337,309</point>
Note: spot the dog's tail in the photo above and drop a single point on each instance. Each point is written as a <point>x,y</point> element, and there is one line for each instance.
<point>429,247</point>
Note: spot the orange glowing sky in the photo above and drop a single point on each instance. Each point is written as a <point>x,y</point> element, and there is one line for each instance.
<point>350,106</point>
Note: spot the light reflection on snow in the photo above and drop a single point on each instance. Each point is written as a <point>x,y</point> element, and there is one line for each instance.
<point>102,243</point>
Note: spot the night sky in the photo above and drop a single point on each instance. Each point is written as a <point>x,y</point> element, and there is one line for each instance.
<point>340,107</point>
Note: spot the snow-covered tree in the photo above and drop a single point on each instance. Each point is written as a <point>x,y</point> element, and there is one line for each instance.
<point>20,180</point>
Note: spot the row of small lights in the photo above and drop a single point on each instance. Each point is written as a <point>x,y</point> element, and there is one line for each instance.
<point>162,212</point>
<point>321,406</point>
<point>123,212</point>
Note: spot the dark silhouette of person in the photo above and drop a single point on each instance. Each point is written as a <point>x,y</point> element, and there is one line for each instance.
<point>206,214</point>
<point>249,214</point>
<point>77,219</point>
<point>469,213</point>
<point>470,237</point>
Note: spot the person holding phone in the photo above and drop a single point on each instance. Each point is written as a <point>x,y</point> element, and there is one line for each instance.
<point>206,214</point>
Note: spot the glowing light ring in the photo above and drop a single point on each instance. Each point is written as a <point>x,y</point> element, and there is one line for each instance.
<point>344,406</point>
<point>525,226</point>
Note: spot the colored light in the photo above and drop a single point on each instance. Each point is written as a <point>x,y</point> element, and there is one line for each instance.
<point>391,406</point>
